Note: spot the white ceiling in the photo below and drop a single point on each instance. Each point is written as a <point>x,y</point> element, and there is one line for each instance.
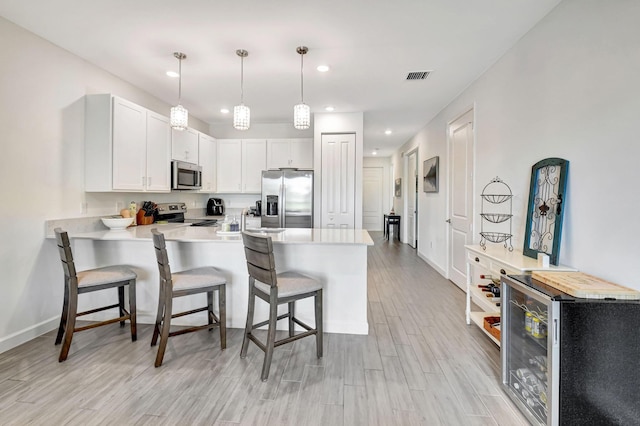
<point>370,46</point>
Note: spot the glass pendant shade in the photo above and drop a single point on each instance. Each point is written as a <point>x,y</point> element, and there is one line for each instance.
<point>241,113</point>
<point>241,117</point>
<point>301,111</point>
<point>179,117</point>
<point>301,116</point>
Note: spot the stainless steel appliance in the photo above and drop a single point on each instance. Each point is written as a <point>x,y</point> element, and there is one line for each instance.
<point>259,208</point>
<point>185,175</point>
<point>215,207</point>
<point>174,213</point>
<point>287,199</point>
<point>569,360</point>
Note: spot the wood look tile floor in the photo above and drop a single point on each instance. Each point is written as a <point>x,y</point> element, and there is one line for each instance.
<point>419,365</point>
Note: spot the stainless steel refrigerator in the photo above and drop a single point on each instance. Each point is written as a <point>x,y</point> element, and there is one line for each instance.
<point>287,199</point>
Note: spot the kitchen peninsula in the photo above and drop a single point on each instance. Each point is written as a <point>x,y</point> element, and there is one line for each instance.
<point>337,257</point>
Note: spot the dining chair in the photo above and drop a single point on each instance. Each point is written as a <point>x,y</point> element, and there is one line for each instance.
<point>276,289</point>
<point>178,284</point>
<point>79,282</point>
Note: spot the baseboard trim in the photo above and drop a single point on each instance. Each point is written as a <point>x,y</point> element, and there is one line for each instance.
<point>433,265</point>
<point>23,336</point>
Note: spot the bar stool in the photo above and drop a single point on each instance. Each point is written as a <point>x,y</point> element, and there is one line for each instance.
<point>76,283</point>
<point>276,289</point>
<point>193,281</point>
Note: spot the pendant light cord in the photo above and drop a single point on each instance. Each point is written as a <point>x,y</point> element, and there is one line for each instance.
<point>241,80</point>
<point>180,80</point>
<point>301,78</point>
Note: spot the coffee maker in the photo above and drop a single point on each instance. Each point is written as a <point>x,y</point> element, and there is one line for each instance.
<point>215,207</point>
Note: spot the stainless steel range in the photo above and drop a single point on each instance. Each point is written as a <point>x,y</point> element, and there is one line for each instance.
<point>174,213</point>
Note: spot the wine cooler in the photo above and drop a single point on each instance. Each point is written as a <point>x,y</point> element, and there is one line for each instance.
<point>567,360</point>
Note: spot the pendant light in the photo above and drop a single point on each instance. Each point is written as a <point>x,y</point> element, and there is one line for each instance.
<point>301,112</point>
<point>241,113</point>
<point>179,114</point>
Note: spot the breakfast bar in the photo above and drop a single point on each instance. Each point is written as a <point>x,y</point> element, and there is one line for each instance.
<point>337,257</point>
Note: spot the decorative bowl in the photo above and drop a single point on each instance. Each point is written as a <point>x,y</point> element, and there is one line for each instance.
<point>117,222</point>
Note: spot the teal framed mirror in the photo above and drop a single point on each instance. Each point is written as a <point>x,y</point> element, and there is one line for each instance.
<point>545,208</point>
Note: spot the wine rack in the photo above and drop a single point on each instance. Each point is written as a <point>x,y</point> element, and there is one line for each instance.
<point>496,214</point>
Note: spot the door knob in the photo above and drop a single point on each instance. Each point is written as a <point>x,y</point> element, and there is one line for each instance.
<point>448,220</point>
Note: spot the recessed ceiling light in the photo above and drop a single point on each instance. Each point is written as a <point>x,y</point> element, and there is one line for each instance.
<point>323,68</point>
<point>387,132</point>
<point>224,110</point>
<point>329,108</point>
<point>173,74</point>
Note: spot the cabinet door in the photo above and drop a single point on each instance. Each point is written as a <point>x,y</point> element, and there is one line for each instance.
<point>301,153</point>
<point>278,153</point>
<point>207,155</point>
<point>254,161</point>
<point>158,176</point>
<point>129,142</point>
<point>184,145</point>
<point>338,181</point>
<point>229,165</point>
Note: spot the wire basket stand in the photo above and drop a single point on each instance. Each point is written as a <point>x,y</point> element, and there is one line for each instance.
<point>497,209</point>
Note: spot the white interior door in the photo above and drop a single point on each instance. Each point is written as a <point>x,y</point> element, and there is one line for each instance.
<point>372,187</point>
<point>338,181</point>
<point>461,160</point>
<point>412,195</point>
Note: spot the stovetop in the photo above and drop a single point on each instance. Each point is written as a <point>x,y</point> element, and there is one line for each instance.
<point>174,213</point>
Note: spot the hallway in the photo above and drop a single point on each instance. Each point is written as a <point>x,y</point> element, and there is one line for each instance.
<point>419,365</point>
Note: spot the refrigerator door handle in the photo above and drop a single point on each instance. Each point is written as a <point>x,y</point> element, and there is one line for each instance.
<point>283,192</point>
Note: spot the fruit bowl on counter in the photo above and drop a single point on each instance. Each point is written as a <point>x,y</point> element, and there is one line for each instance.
<point>117,222</point>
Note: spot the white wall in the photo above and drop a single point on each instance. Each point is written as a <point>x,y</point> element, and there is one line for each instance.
<point>570,89</point>
<point>325,123</point>
<point>41,170</point>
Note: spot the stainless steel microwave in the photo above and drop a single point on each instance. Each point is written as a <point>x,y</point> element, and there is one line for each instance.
<point>185,175</point>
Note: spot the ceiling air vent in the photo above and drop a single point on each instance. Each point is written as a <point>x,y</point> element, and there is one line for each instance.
<point>418,75</point>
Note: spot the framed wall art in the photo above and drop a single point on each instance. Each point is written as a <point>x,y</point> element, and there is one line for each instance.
<point>430,171</point>
<point>546,208</point>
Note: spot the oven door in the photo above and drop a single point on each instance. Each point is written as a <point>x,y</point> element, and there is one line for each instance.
<point>185,175</point>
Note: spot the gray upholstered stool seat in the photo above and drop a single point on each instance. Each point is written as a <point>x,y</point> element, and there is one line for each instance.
<point>276,289</point>
<point>291,283</point>
<point>105,275</point>
<point>78,282</point>
<point>206,276</point>
<point>205,279</point>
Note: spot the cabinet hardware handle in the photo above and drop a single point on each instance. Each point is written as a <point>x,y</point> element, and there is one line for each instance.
<point>477,259</point>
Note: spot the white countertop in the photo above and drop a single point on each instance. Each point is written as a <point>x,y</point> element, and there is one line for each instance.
<point>185,233</point>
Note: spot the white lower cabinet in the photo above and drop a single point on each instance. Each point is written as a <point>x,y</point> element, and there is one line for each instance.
<point>127,147</point>
<point>207,153</point>
<point>240,164</point>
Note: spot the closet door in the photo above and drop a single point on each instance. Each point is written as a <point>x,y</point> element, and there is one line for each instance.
<point>338,180</point>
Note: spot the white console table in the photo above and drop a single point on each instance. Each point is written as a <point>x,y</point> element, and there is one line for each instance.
<point>495,261</point>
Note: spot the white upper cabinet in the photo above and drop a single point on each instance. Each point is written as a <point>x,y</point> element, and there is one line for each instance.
<point>207,153</point>
<point>126,146</point>
<point>229,170</point>
<point>158,153</point>
<point>254,161</point>
<point>293,153</point>
<point>184,145</point>
<point>240,165</point>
